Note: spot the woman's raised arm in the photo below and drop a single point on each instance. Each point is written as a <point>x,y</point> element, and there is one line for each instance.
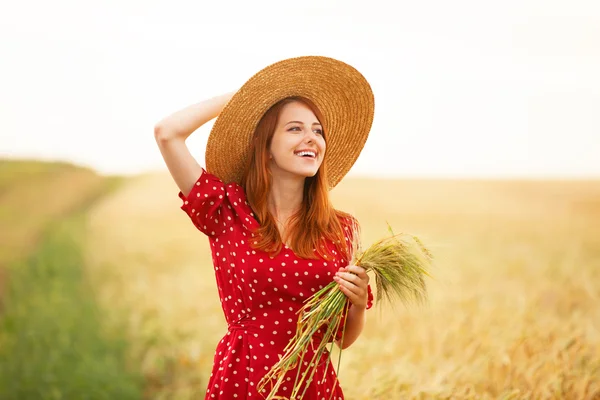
<point>172,131</point>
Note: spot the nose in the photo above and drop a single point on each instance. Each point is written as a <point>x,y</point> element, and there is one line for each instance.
<point>310,136</point>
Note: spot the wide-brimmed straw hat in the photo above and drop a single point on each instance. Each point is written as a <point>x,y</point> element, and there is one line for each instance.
<point>339,91</point>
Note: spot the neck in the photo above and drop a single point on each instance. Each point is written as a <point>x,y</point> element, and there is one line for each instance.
<point>285,197</point>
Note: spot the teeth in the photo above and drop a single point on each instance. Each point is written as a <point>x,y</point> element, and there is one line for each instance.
<point>306,153</point>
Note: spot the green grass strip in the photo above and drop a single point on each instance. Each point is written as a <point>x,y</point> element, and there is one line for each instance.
<point>53,344</point>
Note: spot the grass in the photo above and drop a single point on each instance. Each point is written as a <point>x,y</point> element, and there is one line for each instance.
<point>54,342</point>
<point>512,312</point>
<point>54,345</point>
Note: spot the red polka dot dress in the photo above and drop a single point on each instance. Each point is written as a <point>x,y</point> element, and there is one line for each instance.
<point>259,295</point>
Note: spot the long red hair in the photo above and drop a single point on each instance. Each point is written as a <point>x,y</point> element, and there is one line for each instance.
<point>316,221</point>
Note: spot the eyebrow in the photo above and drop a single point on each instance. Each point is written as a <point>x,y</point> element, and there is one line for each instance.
<point>301,123</point>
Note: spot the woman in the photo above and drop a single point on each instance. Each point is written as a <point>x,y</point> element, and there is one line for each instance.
<point>278,145</point>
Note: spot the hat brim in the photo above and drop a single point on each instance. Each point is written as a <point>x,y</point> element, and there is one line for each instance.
<point>341,93</point>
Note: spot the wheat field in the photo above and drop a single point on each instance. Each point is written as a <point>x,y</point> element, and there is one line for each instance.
<point>514,302</point>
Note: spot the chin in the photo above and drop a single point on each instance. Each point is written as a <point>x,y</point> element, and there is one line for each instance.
<point>303,171</point>
<point>308,173</point>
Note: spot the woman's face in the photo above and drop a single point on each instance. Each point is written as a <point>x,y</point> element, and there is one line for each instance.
<point>298,146</point>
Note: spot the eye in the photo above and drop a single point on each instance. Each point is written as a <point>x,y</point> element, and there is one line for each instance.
<point>319,131</point>
<point>294,128</point>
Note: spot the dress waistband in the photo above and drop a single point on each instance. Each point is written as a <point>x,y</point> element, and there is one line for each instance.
<point>256,328</point>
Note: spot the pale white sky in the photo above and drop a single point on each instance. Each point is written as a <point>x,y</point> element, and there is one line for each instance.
<point>462,88</point>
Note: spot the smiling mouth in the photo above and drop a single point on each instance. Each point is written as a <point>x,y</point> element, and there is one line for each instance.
<point>306,154</point>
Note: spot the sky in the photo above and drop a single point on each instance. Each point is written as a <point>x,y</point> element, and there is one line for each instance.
<point>462,88</point>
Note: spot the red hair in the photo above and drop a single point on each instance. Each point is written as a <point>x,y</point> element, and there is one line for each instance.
<point>316,221</point>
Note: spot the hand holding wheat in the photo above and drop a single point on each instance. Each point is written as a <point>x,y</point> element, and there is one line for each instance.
<point>353,281</point>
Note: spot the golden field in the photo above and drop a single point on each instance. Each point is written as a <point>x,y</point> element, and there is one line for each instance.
<point>514,310</point>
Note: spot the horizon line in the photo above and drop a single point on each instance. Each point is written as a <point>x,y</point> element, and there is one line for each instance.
<point>350,175</point>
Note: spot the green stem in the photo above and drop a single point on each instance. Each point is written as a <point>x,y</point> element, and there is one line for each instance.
<point>341,343</point>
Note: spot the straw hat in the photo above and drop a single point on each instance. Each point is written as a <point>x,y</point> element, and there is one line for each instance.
<point>341,93</point>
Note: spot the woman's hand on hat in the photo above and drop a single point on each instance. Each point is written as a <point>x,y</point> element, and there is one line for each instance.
<point>353,281</point>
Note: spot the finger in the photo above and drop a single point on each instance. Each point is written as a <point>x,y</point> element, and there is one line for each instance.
<point>350,277</point>
<point>349,285</point>
<point>353,297</point>
<point>360,271</point>
<point>362,281</point>
<point>344,282</point>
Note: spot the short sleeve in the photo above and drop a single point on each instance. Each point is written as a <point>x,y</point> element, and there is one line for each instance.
<point>206,205</point>
<point>369,297</point>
